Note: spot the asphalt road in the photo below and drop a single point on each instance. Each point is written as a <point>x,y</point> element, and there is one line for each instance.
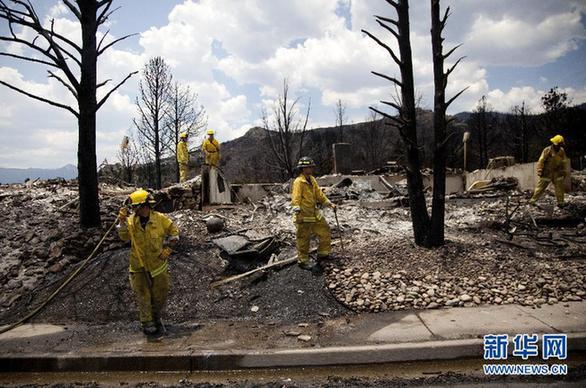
<point>461,373</point>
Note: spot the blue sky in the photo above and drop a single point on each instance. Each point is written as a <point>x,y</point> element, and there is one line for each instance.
<point>234,54</point>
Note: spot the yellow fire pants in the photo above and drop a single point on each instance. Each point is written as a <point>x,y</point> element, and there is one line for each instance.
<point>183,171</point>
<point>151,300</point>
<point>305,230</point>
<point>558,184</point>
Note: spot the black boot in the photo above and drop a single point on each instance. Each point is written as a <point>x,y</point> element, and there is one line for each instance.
<point>317,269</point>
<point>160,326</point>
<point>306,265</point>
<point>150,329</point>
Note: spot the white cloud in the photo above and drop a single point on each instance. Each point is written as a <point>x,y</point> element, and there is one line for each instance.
<point>504,101</point>
<point>305,41</point>
<point>508,41</point>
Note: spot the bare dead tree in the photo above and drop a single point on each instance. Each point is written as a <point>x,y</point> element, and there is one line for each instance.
<point>341,118</point>
<point>521,125</point>
<point>286,132</point>
<point>440,124</point>
<point>405,122</point>
<point>375,143</point>
<point>556,105</point>
<point>128,157</point>
<point>145,171</point>
<point>482,123</point>
<point>74,67</point>
<point>153,105</point>
<point>427,231</point>
<point>184,114</point>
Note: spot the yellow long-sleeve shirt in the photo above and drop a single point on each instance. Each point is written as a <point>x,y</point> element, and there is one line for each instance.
<point>305,196</point>
<point>182,153</point>
<point>211,150</point>
<point>147,242</point>
<point>552,164</point>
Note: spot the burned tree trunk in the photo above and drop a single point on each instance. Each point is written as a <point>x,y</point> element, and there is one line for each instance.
<point>419,214</point>
<point>436,235</point>
<point>439,129</point>
<point>427,232</point>
<point>89,204</point>
<point>406,122</point>
<point>74,67</point>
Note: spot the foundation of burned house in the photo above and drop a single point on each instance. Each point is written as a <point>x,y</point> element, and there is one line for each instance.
<point>498,250</point>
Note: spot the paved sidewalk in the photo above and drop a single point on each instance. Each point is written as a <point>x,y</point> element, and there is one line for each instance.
<point>367,338</point>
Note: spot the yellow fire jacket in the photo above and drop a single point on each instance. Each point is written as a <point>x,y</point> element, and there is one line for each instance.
<point>147,243</point>
<point>305,196</point>
<point>182,152</point>
<point>211,150</point>
<point>551,164</point>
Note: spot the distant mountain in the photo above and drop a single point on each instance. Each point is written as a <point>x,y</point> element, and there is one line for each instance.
<point>249,158</point>
<point>18,175</point>
<point>463,116</point>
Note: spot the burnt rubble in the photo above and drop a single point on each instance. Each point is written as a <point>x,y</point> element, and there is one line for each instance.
<point>498,251</point>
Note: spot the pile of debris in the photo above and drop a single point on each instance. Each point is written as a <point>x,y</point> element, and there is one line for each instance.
<point>41,235</point>
<point>495,184</point>
<point>579,181</point>
<point>348,189</point>
<point>499,251</point>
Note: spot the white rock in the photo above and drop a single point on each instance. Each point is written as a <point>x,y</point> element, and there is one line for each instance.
<point>465,297</point>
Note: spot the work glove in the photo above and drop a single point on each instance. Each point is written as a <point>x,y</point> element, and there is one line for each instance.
<point>173,240</point>
<point>122,215</point>
<point>332,205</point>
<point>165,253</point>
<point>296,214</point>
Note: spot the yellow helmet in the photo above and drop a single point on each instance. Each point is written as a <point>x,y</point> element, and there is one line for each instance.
<point>557,140</point>
<point>183,135</point>
<point>140,197</point>
<point>210,131</point>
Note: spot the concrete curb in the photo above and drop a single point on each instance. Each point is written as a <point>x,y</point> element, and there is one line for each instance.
<point>212,360</point>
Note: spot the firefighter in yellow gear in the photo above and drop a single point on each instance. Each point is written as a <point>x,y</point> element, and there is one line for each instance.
<point>211,149</point>
<point>551,168</point>
<point>150,281</point>
<point>309,220</point>
<point>183,157</point>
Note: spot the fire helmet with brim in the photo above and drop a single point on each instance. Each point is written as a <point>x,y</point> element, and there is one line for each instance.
<point>141,197</point>
<point>305,161</point>
<point>210,132</point>
<point>183,135</point>
<point>557,140</point>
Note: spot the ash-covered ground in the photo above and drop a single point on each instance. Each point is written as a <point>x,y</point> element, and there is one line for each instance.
<point>533,257</point>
